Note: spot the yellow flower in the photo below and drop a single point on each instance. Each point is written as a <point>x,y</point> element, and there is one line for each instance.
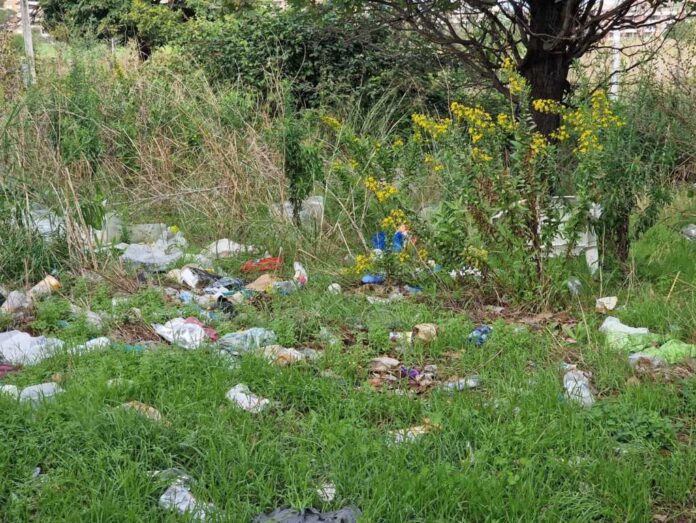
<point>394,220</point>
<point>403,257</point>
<point>432,126</point>
<point>480,155</point>
<point>547,106</point>
<point>332,122</point>
<point>479,122</point>
<point>586,123</point>
<point>362,264</point>
<point>560,134</point>
<point>371,184</point>
<point>398,143</point>
<point>353,164</point>
<point>539,145</point>
<point>516,83</point>
<point>381,189</point>
<point>506,123</point>
<point>438,168</point>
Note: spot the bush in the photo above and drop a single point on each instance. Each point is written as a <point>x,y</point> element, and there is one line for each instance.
<point>327,58</point>
<point>634,179</point>
<point>324,56</point>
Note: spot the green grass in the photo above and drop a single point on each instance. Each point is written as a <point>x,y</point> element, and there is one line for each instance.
<point>513,450</point>
<point>535,456</point>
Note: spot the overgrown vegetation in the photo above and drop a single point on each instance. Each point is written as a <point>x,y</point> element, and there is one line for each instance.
<point>238,114</point>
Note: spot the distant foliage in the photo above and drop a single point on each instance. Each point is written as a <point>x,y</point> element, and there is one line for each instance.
<point>326,58</point>
<point>104,18</point>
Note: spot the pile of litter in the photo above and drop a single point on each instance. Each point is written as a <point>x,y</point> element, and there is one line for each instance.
<point>643,347</point>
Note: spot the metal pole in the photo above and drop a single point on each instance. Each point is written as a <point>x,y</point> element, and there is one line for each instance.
<point>28,42</point>
<point>615,64</point>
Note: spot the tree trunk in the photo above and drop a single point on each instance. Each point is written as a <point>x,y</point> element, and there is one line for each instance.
<point>547,63</point>
<point>144,50</point>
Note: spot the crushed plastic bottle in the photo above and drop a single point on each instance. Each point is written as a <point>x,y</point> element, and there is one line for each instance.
<point>284,287</point>
<point>247,340</point>
<point>44,287</point>
<point>470,382</point>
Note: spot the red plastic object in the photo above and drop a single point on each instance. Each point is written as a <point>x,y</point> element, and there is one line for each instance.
<point>263,265</point>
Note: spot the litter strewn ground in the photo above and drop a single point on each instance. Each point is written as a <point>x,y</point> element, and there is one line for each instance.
<point>279,393</point>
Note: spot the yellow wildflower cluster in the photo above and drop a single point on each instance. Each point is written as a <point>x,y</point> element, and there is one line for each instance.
<point>560,134</point>
<point>381,189</point>
<point>539,145</point>
<point>516,83</point>
<point>475,257</point>
<point>332,122</point>
<point>432,126</point>
<point>403,257</point>
<point>547,106</point>
<point>480,155</point>
<point>586,123</point>
<point>588,141</point>
<point>422,253</point>
<point>394,220</point>
<point>506,123</point>
<point>602,115</point>
<point>398,143</point>
<point>363,264</point>
<point>479,121</point>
